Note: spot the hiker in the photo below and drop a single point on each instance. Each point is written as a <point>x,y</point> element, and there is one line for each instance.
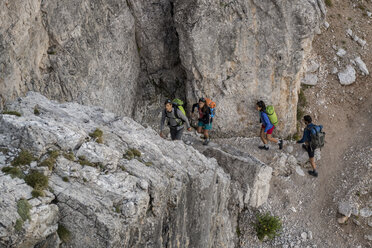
<point>306,138</point>
<point>205,118</point>
<point>175,120</point>
<point>267,128</point>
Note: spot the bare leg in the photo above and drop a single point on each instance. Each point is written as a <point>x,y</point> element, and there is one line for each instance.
<point>200,129</point>
<point>206,135</point>
<point>262,136</point>
<point>312,162</point>
<point>270,138</point>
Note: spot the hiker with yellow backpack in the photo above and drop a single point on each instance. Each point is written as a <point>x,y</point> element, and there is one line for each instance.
<point>205,108</point>
<point>176,116</point>
<point>268,119</point>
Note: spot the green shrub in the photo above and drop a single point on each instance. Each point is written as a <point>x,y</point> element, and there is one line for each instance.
<point>23,158</point>
<point>97,135</point>
<point>84,161</point>
<point>267,225</point>
<point>70,156</point>
<point>18,225</point>
<point>13,171</point>
<point>148,163</point>
<point>37,193</point>
<point>11,113</point>
<point>63,233</point>
<point>132,153</point>
<point>53,154</point>
<point>65,179</point>
<point>36,111</point>
<point>328,3</point>
<point>23,209</point>
<point>49,162</point>
<point>37,180</point>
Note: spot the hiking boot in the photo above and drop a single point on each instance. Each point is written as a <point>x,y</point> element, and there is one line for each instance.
<point>280,144</point>
<point>264,148</point>
<point>313,173</point>
<point>206,142</point>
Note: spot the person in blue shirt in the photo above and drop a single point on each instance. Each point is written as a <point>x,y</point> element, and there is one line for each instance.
<point>267,128</point>
<point>306,138</point>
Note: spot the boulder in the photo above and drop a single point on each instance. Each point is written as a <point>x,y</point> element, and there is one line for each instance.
<point>361,65</point>
<point>347,76</point>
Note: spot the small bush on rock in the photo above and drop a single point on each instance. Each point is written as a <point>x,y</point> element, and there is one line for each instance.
<point>13,171</point>
<point>37,180</point>
<point>84,161</point>
<point>267,225</point>
<point>36,111</point>
<point>37,193</point>
<point>328,3</point>
<point>70,156</point>
<point>23,158</point>
<point>97,135</point>
<point>63,233</point>
<point>132,153</point>
<point>23,209</point>
<point>65,179</point>
<point>18,225</point>
<point>51,160</point>
<point>12,113</point>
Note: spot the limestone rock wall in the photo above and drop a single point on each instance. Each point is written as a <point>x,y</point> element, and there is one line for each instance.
<point>238,52</point>
<point>128,56</point>
<point>169,196</point>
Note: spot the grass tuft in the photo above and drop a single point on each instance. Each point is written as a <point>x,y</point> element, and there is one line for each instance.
<point>70,156</point>
<point>18,225</point>
<point>23,209</point>
<point>63,233</point>
<point>97,135</point>
<point>65,179</point>
<point>328,3</point>
<point>37,193</point>
<point>23,158</point>
<point>37,180</point>
<point>13,171</point>
<point>12,113</point>
<point>36,111</point>
<point>132,153</point>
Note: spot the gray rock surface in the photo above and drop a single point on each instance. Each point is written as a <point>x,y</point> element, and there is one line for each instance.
<point>347,208</point>
<point>347,76</point>
<point>127,56</point>
<point>361,65</point>
<point>255,184</point>
<point>171,194</point>
<point>227,48</point>
<point>310,79</point>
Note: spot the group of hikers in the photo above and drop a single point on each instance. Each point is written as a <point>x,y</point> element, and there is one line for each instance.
<point>313,136</point>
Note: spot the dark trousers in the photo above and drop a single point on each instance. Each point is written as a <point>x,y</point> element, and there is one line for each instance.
<point>176,134</point>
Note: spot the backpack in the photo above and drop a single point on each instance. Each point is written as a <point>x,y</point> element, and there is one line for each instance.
<point>211,105</point>
<point>271,114</point>
<point>177,104</point>
<point>317,137</point>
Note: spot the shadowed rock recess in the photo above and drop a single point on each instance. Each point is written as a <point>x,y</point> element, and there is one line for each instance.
<point>127,56</point>
<point>127,188</point>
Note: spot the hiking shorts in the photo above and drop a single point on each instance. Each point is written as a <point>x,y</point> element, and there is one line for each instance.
<point>176,134</point>
<point>270,131</point>
<point>310,151</point>
<point>205,126</point>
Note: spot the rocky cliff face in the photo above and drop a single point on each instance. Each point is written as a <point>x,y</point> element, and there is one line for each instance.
<point>159,194</point>
<point>127,56</point>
